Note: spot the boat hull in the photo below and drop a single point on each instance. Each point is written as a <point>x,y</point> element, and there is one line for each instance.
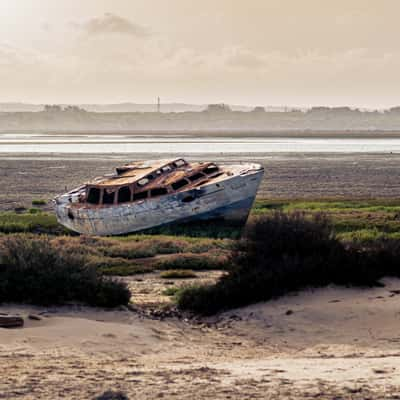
<point>229,200</point>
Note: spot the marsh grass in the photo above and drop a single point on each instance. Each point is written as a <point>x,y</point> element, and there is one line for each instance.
<point>124,270</point>
<point>206,246</point>
<point>178,274</point>
<point>367,236</point>
<point>209,229</point>
<point>194,262</point>
<point>346,216</point>
<point>282,252</point>
<point>145,254</point>
<point>326,206</point>
<point>11,222</point>
<point>349,218</point>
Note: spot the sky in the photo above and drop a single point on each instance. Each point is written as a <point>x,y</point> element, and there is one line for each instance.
<point>250,52</point>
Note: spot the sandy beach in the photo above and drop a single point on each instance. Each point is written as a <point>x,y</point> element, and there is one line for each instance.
<point>328,343</point>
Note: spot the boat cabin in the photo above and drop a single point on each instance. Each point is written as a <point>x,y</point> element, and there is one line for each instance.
<point>140,181</point>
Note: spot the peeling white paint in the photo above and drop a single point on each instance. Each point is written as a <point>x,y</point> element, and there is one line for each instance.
<point>230,199</point>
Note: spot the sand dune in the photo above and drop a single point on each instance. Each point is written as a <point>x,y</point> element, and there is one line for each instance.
<point>326,342</point>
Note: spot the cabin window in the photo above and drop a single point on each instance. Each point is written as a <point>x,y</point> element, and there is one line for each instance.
<point>179,184</point>
<point>124,194</point>
<point>108,197</point>
<point>93,196</point>
<point>122,170</point>
<point>158,192</point>
<point>143,182</point>
<point>195,177</point>
<point>140,195</point>
<point>210,169</point>
<point>179,163</point>
<point>167,168</point>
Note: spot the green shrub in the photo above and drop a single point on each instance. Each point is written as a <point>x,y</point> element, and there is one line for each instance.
<point>286,252</point>
<point>36,272</point>
<point>178,274</point>
<point>39,202</point>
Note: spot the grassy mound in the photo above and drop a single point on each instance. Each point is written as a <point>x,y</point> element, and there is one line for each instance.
<point>194,262</point>
<point>352,220</point>
<point>34,271</point>
<point>32,221</point>
<point>286,252</point>
<point>178,274</point>
<point>136,254</point>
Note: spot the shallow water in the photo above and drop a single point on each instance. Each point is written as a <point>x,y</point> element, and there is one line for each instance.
<point>47,143</point>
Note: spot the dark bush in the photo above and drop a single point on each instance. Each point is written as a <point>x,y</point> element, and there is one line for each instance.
<point>39,202</point>
<point>286,252</point>
<point>34,271</point>
<point>111,395</point>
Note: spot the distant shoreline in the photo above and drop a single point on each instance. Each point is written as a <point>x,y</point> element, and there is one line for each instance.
<point>328,134</point>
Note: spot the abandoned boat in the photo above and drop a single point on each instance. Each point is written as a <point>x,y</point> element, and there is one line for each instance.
<point>143,195</point>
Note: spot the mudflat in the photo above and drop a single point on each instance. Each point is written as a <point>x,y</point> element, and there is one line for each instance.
<point>26,177</point>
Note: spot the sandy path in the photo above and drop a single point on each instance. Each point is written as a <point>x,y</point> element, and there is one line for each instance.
<point>329,343</point>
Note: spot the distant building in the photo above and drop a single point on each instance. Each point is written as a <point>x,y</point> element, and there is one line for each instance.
<point>52,108</point>
<point>395,110</point>
<point>74,109</point>
<point>319,110</point>
<point>218,108</point>
<point>258,109</point>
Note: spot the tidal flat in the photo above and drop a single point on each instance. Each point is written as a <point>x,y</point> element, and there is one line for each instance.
<point>29,177</point>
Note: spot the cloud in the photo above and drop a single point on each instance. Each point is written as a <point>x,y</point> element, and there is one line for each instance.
<point>111,23</point>
<point>116,67</point>
<point>45,26</point>
<point>243,58</point>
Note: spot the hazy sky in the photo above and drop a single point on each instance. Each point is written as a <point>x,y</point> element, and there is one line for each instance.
<point>267,52</point>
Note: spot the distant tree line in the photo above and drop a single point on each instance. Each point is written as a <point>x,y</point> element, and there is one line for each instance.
<point>54,108</point>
